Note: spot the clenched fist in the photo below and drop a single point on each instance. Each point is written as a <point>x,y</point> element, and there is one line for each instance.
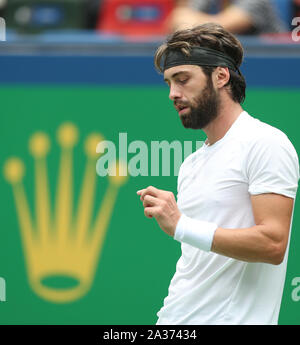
<point>161,205</point>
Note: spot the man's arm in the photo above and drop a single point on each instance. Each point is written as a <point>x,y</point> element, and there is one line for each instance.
<point>264,242</point>
<point>233,19</point>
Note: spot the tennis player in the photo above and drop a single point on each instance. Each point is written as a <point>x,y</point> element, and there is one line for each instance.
<point>236,193</point>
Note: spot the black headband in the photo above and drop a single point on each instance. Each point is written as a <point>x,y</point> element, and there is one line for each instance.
<point>200,56</point>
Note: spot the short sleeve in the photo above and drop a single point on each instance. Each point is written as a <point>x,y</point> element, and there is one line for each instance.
<point>262,13</point>
<point>272,166</point>
<point>201,5</point>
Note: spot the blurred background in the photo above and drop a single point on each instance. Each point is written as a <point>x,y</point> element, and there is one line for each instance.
<point>149,18</point>
<point>89,63</point>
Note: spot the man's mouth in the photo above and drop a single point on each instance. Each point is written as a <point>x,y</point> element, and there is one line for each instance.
<point>181,108</point>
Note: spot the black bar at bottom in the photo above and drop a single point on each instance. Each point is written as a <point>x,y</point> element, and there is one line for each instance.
<point>141,334</point>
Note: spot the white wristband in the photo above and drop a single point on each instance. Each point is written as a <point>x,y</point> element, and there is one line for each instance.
<point>197,233</point>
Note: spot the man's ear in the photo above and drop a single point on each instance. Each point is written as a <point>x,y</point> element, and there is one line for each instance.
<point>221,76</point>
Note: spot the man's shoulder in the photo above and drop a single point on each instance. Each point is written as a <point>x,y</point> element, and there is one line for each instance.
<point>255,131</point>
<point>259,139</point>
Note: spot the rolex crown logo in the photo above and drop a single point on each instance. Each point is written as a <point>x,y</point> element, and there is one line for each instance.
<point>59,242</point>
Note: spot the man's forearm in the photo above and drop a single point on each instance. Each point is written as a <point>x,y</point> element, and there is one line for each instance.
<point>249,244</point>
<point>259,243</point>
<point>233,19</point>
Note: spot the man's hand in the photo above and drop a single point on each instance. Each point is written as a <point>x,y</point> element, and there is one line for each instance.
<point>161,205</point>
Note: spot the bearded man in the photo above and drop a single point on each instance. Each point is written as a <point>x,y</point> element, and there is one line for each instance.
<point>236,193</point>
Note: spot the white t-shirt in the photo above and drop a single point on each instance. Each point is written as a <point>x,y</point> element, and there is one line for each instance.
<point>214,185</point>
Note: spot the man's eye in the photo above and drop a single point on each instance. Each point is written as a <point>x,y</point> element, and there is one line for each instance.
<point>183,81</point>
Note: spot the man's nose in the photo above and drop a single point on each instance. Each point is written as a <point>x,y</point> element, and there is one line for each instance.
<point>174,93</point>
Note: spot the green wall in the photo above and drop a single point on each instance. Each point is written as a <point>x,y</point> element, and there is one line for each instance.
<point>137,259</point>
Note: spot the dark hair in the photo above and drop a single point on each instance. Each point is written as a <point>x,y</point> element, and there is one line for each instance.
<point>212,36</point>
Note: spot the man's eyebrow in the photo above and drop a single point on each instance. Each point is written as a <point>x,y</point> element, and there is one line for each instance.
<point>175,75</point>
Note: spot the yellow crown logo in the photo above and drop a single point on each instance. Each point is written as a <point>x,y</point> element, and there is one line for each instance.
<point>62,243</point>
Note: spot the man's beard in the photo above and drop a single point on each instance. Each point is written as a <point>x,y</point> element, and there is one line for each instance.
<point>206,110</point>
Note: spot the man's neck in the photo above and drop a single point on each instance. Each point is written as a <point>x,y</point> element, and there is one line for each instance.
<point>229,112</point>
